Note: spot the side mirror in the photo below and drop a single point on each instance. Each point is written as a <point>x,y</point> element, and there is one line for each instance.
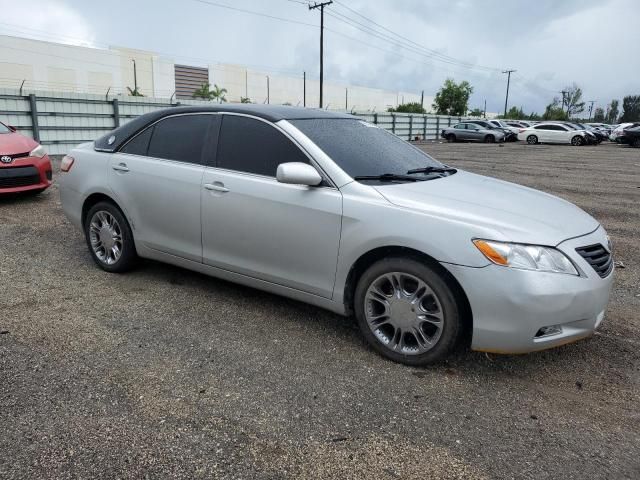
<point>298,173</point>
<point>12,128</point>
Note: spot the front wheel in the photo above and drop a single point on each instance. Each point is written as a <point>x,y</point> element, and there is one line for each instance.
<point>577,141</point>
<point>407,312</point>
<point>109,238</point>
<point>636,142</point>
<point>451,138</point>
<point>532,139</point>
<point>489,139</point>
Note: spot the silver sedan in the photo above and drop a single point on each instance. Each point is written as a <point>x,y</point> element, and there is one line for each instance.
<point>333,211</point>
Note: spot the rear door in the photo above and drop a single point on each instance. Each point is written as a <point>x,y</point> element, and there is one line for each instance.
<point>156,178</point>
<point>256,226</point>
<point>543,132</point>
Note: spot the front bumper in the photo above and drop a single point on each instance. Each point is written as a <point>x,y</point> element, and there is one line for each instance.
<point>510,306</point>
<point>25,174</point>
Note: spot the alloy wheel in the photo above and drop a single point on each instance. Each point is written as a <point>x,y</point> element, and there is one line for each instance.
<point>105,236</point>
<point>404,313</point>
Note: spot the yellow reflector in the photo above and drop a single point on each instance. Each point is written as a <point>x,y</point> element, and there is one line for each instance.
<point>490,253</point>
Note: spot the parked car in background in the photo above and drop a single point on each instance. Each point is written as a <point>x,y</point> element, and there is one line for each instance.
<point>509,134</point>
<point>505,125</point>
<point>618,135</point>
<point>282,199</point>
<point>553,132</point>
<point>472,132</point>
<point>594,136</point>
<point>24,163</point>
<point>633,136</point>
<point>518,124</point>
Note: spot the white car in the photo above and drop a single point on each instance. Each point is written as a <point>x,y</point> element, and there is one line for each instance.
<point>550,132</point>
<point>618,132</point>
<point>505,125</point>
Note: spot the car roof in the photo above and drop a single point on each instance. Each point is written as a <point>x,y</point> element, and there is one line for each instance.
<point>271,113</point>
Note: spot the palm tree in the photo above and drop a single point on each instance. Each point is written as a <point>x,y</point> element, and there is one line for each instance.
<point>219,93</point>
<point>203,92</point>
<point>135,92</point>
<point>245,100</point>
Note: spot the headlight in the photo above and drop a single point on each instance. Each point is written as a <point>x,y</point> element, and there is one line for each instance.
<point>526,257</point>
<point>38,152</point>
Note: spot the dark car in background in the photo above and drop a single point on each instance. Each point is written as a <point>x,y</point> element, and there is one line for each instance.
<point>632,135</point>
<point>472,132</point>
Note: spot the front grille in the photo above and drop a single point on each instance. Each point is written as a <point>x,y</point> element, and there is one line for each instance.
<point>598,257</point>
<point>15,156</point>
<point>12,177</point>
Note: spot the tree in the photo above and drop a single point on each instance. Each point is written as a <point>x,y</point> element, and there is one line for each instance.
<point>452,98</point>
<point>206,93</point>
<point>515,113</point>
<point>612,111</point>
<point>598,115</point>
<point>135,92</point>
<point>245,100</point>
<point>630,109</point>
<point>554,111</point>
<point>573,100</point>
<point>411,107</point>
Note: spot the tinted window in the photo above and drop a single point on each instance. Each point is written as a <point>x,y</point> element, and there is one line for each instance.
<point>253,146</point>
<point>360,148</point>
<point>180,138</point>
<point>543,127</point>
<point>139,144</point>
<point>461,126</point>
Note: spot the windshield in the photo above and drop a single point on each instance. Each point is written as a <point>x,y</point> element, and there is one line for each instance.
<point>4,128</point>
<point>361,148</point>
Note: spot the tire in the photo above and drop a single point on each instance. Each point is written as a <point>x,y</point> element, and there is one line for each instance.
<point>489,139</point>
<point>532,140</point>
<point>451,138</point>
<point>636,143</point>
<point>375,294</point>
<point>577,141</point>
<point>106,229</point>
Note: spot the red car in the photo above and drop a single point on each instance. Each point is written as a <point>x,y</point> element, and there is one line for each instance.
<point>24,164</point>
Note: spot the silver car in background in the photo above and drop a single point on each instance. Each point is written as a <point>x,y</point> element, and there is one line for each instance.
<point>472,132</point>
<point>333,211</point>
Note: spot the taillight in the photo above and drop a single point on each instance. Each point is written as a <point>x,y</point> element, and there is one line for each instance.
<point>66,163</point>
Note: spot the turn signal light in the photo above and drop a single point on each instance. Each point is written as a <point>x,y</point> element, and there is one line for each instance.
<point>490,252</point>
<point>67,163</point>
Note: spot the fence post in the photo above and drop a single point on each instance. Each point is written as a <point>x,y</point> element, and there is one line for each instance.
<point>375,118</point>
<point>35,128</point>
<point>424,127</point>
<point>449,120</point>
<point>437,127</point>
<point>116,112</point>
<point>393,123</point>
<point>410,127</point>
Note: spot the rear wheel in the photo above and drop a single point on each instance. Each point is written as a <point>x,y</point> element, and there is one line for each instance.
<point>109,238</point>
<point>636,142</point>
<point>577,141</point>
<point>532,139</point>
<point>407,312</point>
<point>451,138</point>
<point>489,139</point>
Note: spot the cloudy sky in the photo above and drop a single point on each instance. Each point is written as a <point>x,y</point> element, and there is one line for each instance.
<point>413,44</point>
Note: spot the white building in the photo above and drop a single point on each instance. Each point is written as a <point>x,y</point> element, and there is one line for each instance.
<point>38,65</point>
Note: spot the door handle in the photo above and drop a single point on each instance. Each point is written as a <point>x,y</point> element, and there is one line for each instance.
<point>216,187</point>
<point>121,167</point>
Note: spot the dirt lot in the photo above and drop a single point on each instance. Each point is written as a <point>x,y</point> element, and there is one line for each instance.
<point>167,373</point>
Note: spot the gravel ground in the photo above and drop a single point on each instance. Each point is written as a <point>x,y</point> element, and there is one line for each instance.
<point>165,373</point>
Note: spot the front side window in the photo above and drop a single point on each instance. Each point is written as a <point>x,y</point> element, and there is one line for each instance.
<point>362,149</point>
<point>139,145</point>
<point>461,126</point>
<point>181,138</point>
<point>4,128</point>
<point>253,146</point>
<point>543,127</point>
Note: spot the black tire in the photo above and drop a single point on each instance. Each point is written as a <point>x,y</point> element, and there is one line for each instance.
<point>451,312</point>
<point>451,138</point>
<point>489,139</point>
<point>636,143</point>
<point>577,141</point>
<point>532,140</point>
<point>128,255</point>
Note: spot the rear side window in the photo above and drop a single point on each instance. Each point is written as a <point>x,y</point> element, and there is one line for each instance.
<point>461,126</point>
<point>543,127</point>
<point>180,138</point>
<point>252,146</point>
<point>139,144</point>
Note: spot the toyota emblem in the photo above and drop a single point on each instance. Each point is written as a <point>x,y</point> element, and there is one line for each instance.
<point>5,159</point>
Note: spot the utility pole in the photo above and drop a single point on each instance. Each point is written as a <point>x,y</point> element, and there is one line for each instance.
<point>267,89</point>
<point>246,83</point>
<point>422,99</point>
<point>564,94</point>
<point>591,108</point>
<point>485,108</point>
<point>506,100</point>
<point>321,7</point>
<point>304,89</point>
<point>135,76</point>
<point>346,99</point>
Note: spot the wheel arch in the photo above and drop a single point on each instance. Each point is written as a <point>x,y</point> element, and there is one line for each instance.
<point>369,258</point>
<point>96,198</point>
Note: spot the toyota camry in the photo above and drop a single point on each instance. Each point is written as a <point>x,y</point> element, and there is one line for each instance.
<point>331,210</point>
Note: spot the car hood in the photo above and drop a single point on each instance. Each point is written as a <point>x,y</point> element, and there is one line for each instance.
<point>520,214</point>
<point>12,143</point>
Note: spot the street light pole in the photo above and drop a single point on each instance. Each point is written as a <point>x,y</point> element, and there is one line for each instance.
<point>135,76</point>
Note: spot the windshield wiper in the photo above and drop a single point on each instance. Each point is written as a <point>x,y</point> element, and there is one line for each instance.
<point>432,170</point>
<point>388,177</point>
